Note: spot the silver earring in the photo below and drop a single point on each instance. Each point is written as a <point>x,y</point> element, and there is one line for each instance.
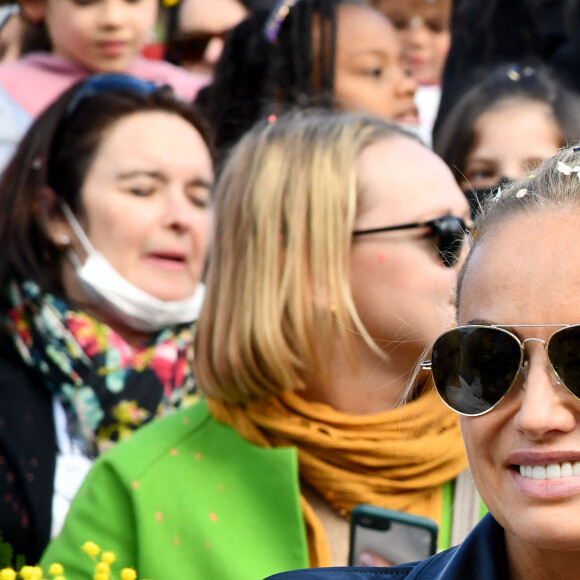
<point>64,241</point>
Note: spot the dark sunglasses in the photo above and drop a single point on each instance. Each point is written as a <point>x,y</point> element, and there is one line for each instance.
<point>448,232</point>
<point>474,366</point>
<point>190,47</point>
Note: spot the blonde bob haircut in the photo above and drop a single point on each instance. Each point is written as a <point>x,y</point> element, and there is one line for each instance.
<point>278,282</point>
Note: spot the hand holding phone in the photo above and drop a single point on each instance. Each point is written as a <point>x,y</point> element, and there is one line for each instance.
<point>395,536</point>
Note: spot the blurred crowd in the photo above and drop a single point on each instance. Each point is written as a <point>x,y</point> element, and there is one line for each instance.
<point>242,222</point>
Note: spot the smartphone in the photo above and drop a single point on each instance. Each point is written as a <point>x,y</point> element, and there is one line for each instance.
<point>396,536</point>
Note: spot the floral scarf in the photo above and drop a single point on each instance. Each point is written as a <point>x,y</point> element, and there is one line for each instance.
<point>107,387</point>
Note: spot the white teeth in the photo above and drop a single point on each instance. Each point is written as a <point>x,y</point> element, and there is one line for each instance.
<point>551,471</point>
<point>539,472</point>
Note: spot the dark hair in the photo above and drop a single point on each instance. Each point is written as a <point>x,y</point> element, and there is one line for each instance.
<point>51,161</point>
<point>256,76</point>
<point>35,37</point>
<point>526,82</point>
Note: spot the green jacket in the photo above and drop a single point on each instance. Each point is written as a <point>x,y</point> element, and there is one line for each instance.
<point>187,497</point>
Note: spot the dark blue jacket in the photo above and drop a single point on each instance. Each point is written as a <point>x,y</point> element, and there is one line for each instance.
<point>481,556</point>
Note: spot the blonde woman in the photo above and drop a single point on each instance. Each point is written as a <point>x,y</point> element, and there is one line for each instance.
<point>336,247</point>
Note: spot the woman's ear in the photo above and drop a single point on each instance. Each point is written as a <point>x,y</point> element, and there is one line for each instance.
<point>51,218</point>
<point>33,10</point>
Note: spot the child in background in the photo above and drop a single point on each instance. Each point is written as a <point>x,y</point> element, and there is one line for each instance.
<point>424,27</point>
<point>84,38</point>
<point>504,126</point>
<point>333,54</point>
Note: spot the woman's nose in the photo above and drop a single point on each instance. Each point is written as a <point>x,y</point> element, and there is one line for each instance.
<point>179,211</point>
<point>546,406</point>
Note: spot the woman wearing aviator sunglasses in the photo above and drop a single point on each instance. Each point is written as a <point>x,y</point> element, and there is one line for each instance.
<point>511,369</point>
<point>305,343</point>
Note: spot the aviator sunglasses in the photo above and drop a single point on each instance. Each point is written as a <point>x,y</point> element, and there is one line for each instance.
<point>475,366</point>
<point>448,232</point>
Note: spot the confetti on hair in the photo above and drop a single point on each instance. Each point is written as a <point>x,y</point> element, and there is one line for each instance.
<point>531,176</point>
<point>521,193</point>
<point>497,194</point>
<point>567,170</point>
<point>576,149</point>
<point>272,119</point>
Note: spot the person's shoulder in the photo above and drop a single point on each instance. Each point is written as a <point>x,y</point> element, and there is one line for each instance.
<point>347,573</point>
<point>153,441</point>
<point>190,432</point>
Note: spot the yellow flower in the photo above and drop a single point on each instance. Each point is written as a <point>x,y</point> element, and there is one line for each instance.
<point>56,569</point>
<point>128,574</point>
<point>101,576</point>
<point>59,578</point>
<point>103,568</point>
<point>91,548</point>
<point>7,574</point>
<point>108,557</point>
<point>31,573</point>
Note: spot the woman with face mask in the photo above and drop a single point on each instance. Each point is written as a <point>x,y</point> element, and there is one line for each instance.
<point>105,222</point>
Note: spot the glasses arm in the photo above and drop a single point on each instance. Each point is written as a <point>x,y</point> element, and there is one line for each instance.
<point>391,228</point>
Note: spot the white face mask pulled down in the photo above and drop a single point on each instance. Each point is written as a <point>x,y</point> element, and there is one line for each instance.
<point>116,296</point>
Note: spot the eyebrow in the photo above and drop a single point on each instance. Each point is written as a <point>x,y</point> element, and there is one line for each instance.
<point>478,322</point>
<point>197,182</point>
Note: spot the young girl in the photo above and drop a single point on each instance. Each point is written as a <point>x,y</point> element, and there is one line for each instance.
<point>509,121</point>
<point>80,38</point>
<point>330,53</point>
<point>424,27</point>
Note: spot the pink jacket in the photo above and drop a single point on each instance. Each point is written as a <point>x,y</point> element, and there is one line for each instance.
<point>37,79</point>
<point>30,84</point>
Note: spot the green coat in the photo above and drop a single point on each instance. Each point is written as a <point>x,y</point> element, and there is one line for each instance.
<point>188,498</point>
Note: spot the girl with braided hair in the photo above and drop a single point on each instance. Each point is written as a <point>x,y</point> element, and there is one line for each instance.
<point>327,53</point>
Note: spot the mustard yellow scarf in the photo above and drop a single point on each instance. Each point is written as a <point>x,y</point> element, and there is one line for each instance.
<point>398,459</point>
